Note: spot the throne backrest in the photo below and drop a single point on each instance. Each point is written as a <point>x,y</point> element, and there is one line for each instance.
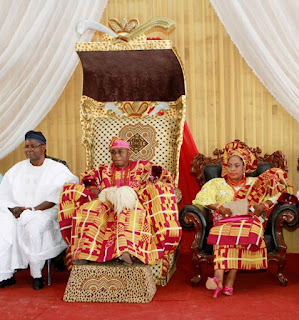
<point>154,137</point>
<point>206,168</point>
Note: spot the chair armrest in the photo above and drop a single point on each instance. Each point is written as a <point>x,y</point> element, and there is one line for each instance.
<point>282,215</point>
<point>200,219</point>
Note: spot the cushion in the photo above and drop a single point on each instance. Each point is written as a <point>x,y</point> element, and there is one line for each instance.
<point>212,171</point>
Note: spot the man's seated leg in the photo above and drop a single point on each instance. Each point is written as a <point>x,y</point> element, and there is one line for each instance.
<point>6,278</point>
<point>31,236</point>
<point>36,274</point>
<point>8,248</point>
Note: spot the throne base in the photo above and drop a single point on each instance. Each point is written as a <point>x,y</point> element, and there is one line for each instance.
<point>110,282</point>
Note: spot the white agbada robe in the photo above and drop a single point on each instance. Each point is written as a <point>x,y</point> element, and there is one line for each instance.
<point>35,236</point>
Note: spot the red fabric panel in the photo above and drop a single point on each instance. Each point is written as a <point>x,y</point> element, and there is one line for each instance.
<point>187,181</point>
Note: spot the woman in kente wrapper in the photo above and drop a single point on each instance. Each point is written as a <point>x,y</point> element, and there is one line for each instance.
<point>238,242</point>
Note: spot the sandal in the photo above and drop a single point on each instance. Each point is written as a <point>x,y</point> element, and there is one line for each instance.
<point>216,292</point>
<point>228,291</point>
<point>212,284</point>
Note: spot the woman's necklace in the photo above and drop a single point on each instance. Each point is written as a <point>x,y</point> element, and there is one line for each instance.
<point>236,184</point>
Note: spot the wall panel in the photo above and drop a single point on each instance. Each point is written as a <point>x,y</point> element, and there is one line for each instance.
<point>225,99</point>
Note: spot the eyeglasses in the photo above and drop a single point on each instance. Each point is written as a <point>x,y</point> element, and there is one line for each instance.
<point>120,152</point>
<point>32,147</point>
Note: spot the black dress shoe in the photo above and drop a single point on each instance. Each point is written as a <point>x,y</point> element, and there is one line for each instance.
<point>38,283</point>
<point>8,282</point>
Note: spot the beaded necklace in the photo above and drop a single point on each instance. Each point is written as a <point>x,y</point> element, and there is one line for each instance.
<point>233,184</point>
<point>123,182</point>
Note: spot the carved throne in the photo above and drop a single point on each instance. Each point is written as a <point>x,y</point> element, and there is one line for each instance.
<point>283,215</point>
<point>134,88</point>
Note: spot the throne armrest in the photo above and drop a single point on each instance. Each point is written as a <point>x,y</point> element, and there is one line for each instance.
<point>199,218</point>
<point>283,214</point>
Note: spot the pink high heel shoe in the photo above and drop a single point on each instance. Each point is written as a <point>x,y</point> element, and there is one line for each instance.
<point>228,291</point>
<point>212,284</point>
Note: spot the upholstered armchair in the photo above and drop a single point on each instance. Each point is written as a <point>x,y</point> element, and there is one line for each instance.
<point>200,219</point>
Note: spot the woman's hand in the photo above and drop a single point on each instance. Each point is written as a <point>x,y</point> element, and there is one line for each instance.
<point>17,211</point>
<point>225,212</point>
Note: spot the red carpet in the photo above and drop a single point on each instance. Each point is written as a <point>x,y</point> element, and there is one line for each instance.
<point>257,295</point>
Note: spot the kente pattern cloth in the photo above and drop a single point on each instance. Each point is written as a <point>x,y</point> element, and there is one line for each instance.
<point>97,233</point>
<point>247,232</point>
<point>237,148</point>
<point>239,257</point>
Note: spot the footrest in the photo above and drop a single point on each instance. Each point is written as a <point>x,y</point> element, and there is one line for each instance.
<point>110,282</point>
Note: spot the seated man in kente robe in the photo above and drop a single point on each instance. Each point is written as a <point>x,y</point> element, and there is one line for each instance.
<point>124,209</point>
<point>29,229</point>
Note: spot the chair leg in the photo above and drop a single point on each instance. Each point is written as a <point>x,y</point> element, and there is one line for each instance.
<point>49,271</point>
<point>282,279</point>
<point>196,280</point>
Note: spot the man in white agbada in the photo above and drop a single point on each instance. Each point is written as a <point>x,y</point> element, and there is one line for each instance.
<point>29,229</point>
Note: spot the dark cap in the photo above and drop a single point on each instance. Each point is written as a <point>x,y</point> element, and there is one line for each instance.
<point>35,135</point>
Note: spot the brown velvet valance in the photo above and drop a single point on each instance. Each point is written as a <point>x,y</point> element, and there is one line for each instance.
<point>132,75</point>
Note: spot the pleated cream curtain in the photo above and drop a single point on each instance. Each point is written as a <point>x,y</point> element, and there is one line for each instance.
<point>37,59</point>
<point>266,34</point>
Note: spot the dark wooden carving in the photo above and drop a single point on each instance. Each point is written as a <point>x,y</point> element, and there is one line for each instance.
<point>277,158</point>
<point>279,256</point>
<point>198,164</point>
<point>283,215</point>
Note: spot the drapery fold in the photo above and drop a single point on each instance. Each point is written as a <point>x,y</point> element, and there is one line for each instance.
<point>187,181</point>
<point>37,59</point>
<point>266,35</point>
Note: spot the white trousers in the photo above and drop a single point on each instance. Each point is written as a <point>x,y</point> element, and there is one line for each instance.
<point>29,240</point>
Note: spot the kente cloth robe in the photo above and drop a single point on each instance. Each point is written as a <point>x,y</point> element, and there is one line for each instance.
<point>239,243</point>
<point>35,236</point>
<point>96,232</point>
